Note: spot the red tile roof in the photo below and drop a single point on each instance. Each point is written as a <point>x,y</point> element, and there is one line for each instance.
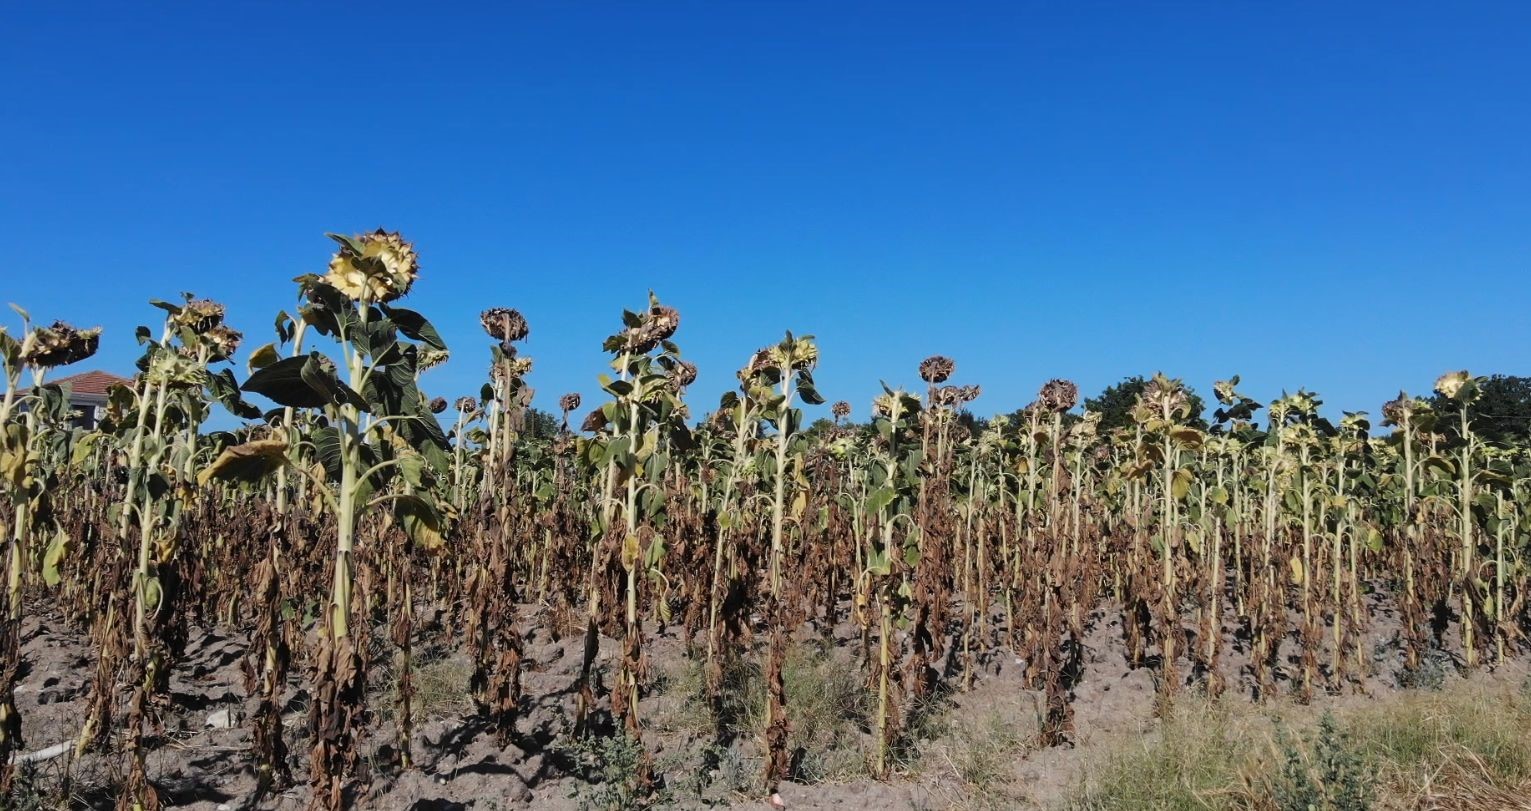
<point>93,382</point>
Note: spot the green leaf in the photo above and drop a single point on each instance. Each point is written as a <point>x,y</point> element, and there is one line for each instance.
<point>283,383</point>
<point>415,326</point>
<point>322,379</point>
<point>225,390</point>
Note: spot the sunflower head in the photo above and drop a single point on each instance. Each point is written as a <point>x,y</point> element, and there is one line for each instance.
<point>466,405</point>
<point>175,370</point>
<point>199,315</point>
<point>656,324</point>
<point>1451,384</point>
<point>840,410</point>
<point>595,421</point>
<point>937,369</point>
<point>376,267</point>
<point>59,345</point>
<point>685,373</point>
<point>1058,395</point>
<point>518,367</point>
<point>223,340</point>
<point>504,324</point>
<point>431,358</point>
<point>1227,391</point>
<point>1163,395</point>
<point>759,362</point>
<point>1395,411</point>
<point>663,321</point>
<point>569,402</point>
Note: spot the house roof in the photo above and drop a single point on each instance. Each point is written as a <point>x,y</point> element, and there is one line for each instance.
<point>93,382</point>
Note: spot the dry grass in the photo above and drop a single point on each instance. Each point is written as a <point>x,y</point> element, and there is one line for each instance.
<point>1452,749</point>
<point>826,703</point>
<point>1465,746</point>
<point>441,688</point>
<point>979,755</point>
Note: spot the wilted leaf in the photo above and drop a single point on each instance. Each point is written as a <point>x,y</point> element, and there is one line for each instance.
<point>249,462</point>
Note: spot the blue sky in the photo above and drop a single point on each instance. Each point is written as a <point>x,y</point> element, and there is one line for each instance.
<point>1327,195</point>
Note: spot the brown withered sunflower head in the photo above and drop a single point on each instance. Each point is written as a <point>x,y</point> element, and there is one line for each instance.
<point>199,315</point>
<point>223,340</point>
<point>466,405</point>
<point>59,345</point>
<point>1058,395</point>
<point>937,369</point>
<point>504,324</point>
<point>840,410</point>
<point>438,405</point>
<point>658,324</point>
<point>594,422</point>
<point>685,373</point>
<point>664,321</point>
<point>759,362</point>
<point>947,397</point>
<point>569,402</point>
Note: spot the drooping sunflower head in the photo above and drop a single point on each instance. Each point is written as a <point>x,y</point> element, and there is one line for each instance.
<point>685,373</point>
<point>1356,424</point>
<point>175,370</point>
<point>937,369</point>
<point>199,315</point>
<point>569,402</point>
<point>1227,391</point>
<point>376,267</point>
<point>840,410</point>
<point>518,367</point>
<point>466,405</point>
<point>759,362</point>
<point>438,405</point>
<point>1164,395</point>
<point>223,340</point>
<point>59,345</point>
<point>431,358</point>
<point>504,324</point>
<point>657,324</point>
<point>1450,385</point>
<point>664,321</point>
<point>595,421</point>
<point>1058,395</point>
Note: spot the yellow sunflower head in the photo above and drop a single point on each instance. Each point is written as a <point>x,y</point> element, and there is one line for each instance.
<point>376,267</point>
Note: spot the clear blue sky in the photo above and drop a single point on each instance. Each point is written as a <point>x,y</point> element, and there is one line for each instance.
<point>1330,195</point>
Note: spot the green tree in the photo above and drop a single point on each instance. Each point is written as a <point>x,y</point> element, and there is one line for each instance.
<point>540,424</point>
<point>1502,412</point>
